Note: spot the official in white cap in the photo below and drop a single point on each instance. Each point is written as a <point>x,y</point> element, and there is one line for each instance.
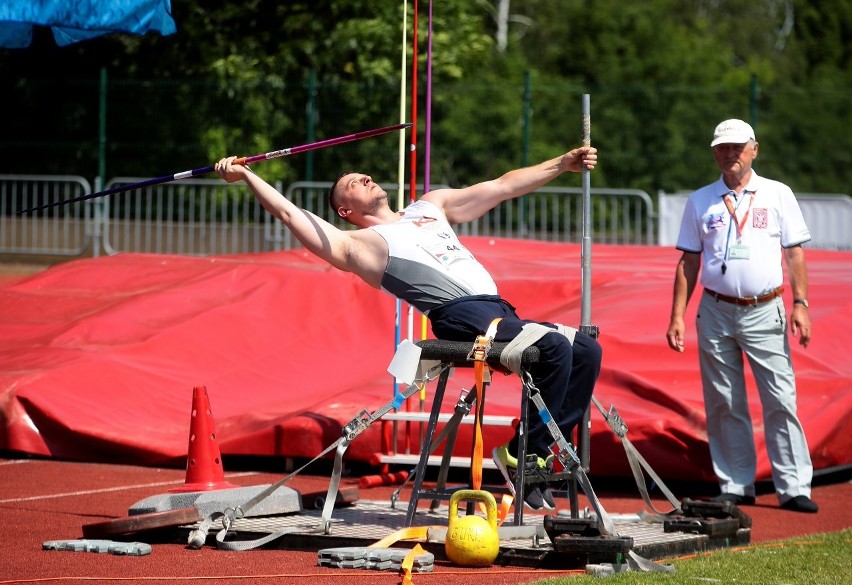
<point>732,132</point>
<point>735,232</point>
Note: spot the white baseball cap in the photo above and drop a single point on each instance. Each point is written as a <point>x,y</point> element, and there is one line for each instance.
<point>732,132</point>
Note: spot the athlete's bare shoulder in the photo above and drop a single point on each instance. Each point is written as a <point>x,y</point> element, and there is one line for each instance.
<point>367,256</point>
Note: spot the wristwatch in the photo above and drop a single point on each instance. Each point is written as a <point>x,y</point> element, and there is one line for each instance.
<point>803,302</point>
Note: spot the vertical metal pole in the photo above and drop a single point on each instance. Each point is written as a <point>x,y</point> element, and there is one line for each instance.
<point>412,181</point>
<point>397,325</point>
<point>586,281</point>
<point>427,174</point>
<point>586,306</point>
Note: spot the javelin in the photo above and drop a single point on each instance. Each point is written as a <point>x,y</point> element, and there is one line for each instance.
<point>239,161</point>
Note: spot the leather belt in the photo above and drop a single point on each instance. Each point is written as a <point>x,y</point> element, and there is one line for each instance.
<point>747,301</point>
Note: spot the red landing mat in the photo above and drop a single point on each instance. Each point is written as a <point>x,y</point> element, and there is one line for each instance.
<point>99,357</point>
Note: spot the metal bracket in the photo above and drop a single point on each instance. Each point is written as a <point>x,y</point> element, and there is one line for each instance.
<point>590,330</point>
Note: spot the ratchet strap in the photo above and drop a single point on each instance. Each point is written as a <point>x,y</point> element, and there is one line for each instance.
<point>355,427</point>
<point>479,355</point>
<point>635,459</point>
<point>562,449</point>
<point>350,431</point>
<point>511,358</point>
<point>567,456</point>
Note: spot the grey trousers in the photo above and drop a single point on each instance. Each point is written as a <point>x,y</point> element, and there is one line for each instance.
<point>726,332</point>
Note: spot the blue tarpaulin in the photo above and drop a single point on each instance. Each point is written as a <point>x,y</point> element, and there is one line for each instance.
<point>77,20</point>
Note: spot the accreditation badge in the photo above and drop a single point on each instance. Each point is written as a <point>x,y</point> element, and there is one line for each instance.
<point>740,252</point>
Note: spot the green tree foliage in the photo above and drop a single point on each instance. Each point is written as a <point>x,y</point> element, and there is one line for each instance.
<point>661,74</point>
<point>807,114</point>
<point>240,78</point>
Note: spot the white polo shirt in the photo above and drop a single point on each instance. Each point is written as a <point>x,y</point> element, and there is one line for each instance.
<point>768,219</point>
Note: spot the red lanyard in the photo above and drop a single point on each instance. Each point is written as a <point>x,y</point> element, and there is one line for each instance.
<point>741,223</point>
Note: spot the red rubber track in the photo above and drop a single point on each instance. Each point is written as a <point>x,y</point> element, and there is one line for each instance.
<point>51,500</point>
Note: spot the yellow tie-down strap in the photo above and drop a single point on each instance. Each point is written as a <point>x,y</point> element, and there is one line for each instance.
<point>421,533</point>
<point>408,565</point>
<point>412,532</point>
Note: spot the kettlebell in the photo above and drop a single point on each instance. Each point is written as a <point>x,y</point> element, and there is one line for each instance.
<point>472,541</point>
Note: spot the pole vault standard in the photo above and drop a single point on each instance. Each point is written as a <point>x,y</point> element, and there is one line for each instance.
<point>240,161</point>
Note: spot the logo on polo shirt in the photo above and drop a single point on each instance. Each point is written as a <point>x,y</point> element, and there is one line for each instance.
<point>715,221</point>
<point>760,218</point>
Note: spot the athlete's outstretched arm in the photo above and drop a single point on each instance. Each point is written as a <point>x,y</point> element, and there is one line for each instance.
<point>469,203</point>
<point>317,235</point>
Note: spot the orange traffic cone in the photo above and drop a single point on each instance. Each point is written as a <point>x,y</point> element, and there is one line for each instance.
<point>204,470</point>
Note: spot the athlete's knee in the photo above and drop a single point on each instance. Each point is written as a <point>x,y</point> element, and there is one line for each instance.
<point>556,348</point>
<point>587,349</point>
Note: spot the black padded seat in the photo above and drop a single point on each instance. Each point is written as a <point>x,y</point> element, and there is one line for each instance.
<point>456,352</point>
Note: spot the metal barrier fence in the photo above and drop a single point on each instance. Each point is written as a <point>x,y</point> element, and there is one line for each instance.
<point>209,217</point>
<point>197,217</point>
<point>66,235</point>
<point>827,215</point>
<point>618,216</point>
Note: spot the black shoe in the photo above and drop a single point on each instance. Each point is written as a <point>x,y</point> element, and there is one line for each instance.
<point>534,497</point>
<point>547,497</point>
<point>801,504</point>
<point>735,499</point>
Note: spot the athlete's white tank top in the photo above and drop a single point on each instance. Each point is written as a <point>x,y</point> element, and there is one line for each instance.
<point>427,265</point>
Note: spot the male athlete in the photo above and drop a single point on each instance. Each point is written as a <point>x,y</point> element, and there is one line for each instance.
<point>415,255</point>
